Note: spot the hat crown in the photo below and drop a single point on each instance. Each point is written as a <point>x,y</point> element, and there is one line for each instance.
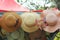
<point>10,20</point>
<point>51,19</point>
<point>29,20</point>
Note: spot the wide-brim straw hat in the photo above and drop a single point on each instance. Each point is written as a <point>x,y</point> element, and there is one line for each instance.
<point>29,21</point>
<point>11,21</point>
<point>52,20</point>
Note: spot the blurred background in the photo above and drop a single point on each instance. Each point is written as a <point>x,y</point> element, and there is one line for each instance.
<point>37,4</point>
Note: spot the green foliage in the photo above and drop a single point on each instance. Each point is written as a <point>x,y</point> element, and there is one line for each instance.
<point>17,0</point>
<point>57,3</point>
<point>34,6</point>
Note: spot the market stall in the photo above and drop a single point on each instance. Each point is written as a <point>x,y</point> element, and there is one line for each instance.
<point>20,23</point>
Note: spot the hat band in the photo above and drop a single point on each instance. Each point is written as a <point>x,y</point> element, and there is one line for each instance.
<point>17,21</point>
<point>45,22</point>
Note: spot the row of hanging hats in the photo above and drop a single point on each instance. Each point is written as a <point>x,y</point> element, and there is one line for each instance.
<point>13,19</point>
<point>11,22</point>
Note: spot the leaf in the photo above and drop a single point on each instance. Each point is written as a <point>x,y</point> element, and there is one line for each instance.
<point>17,0</point>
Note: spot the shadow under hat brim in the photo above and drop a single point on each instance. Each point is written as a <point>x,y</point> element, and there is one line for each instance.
<point>4,26</point>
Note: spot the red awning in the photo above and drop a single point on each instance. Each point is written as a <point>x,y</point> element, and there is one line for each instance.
<point>11,5</point>
<point>37,10</point>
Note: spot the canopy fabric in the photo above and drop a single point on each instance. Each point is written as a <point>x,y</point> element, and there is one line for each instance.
<point>11,5</point>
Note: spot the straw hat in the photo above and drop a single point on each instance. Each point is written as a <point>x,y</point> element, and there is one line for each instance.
<point>18,35</point>
<point>29,21</point>
<point>52,21</point>
<point>11,21</point>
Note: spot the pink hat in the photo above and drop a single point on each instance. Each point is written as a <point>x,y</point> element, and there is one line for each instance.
<point>52,21</point>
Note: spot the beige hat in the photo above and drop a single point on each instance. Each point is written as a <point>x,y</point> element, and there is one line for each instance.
<point>52,21</point>
<point>29,21</point>
<point>11,21</point>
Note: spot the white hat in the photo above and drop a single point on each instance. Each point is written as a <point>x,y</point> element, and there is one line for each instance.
<point>29,21</point>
